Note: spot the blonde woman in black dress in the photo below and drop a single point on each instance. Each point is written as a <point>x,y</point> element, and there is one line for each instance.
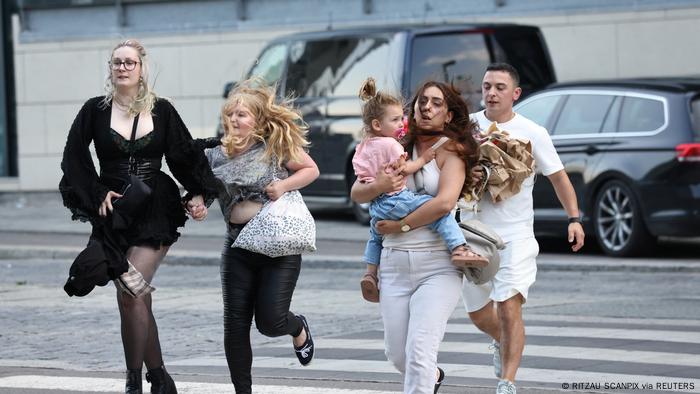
<point>107,122</point>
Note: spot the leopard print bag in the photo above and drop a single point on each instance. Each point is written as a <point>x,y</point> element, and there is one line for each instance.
<point>282,227</point>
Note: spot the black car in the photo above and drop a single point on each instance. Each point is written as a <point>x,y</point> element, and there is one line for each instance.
<point>632,150</point>
<point>324,71</point>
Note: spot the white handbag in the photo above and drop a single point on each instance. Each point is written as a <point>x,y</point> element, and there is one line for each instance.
<point>282,227</point>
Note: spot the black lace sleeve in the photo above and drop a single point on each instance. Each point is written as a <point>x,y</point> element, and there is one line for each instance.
<point>186,158</point>
<point>79,186</point>
<point>207,143</point>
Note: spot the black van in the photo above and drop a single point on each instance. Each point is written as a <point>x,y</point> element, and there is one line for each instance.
<point>324,71</point>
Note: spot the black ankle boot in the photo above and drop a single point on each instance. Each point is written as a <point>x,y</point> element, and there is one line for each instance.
<point>161,382</point>
<point>133,381</point>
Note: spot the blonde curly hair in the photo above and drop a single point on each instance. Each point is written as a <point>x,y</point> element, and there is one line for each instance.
<point>277,124</point>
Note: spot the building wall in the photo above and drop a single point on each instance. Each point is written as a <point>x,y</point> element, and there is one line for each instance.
<point>54,80</point>
<point>58,68</point>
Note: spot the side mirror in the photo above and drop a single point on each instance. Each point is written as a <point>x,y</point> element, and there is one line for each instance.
<point>227,88</point>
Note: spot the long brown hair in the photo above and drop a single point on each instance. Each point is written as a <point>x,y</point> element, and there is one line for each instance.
<point>460,130</point>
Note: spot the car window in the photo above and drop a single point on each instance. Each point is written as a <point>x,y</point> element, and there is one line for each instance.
<point>457,58</point>
<point>583,114</point>
<point>610,123</point>
<point>310,71</point>
<point>270,65</point>
<point>641,114</point>
<point>358,58</point>
<point>539,109</point>
<point>695,108</point>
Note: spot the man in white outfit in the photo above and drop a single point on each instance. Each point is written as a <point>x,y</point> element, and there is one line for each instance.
<point>513,220</point>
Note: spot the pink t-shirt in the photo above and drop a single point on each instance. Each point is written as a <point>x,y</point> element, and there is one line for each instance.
<point>372,154</point>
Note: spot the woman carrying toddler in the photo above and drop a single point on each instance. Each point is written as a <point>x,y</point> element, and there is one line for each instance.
<point>382,115</point>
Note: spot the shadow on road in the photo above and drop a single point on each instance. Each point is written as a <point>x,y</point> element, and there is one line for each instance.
<point>665,248</point>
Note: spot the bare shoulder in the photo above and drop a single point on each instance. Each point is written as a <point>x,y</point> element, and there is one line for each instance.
<point>446,154</point>
<point>448,148</point>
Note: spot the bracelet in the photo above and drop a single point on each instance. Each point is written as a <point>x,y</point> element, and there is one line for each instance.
<point>574,219</point>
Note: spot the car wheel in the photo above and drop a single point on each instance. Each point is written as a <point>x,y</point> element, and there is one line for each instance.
<point>618,223</point>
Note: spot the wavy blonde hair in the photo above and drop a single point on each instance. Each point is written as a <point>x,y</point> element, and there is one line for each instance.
<point>278,125</point>
<point>146,98</point>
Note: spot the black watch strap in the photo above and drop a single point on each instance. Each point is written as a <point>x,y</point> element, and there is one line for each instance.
<point>575,219</point>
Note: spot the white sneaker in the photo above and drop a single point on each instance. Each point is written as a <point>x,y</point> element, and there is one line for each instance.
<point>505,387</point>
<point>496,347</point>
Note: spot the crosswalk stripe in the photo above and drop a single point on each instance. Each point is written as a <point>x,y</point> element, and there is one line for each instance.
<point>454,370</point>
<point>101,385</point>
<point>591,332</point>
<point>572,352</point>
<point>340,360</point>
<point>692,323</point>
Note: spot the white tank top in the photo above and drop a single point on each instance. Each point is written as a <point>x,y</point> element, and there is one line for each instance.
<point>421,238</point>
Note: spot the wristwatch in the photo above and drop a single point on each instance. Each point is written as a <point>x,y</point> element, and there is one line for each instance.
<point>574,219</point>
<point>404,227</point>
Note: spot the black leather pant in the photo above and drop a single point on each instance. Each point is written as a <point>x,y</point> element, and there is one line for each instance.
<point>254,284</point>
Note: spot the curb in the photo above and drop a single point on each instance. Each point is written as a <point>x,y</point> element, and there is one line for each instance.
<point>172,258</point>
<point>314,261</point>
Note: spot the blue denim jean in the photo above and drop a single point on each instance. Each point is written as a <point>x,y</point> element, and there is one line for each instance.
<point>398,206</point>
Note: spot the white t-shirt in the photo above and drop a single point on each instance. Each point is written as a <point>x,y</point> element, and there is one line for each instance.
<point>513,218</point>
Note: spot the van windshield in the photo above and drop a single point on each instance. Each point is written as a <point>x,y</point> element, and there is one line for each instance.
<point>525,50</point>
<point>337,66</point>
<point>460,58</point>
<point>270,65</point>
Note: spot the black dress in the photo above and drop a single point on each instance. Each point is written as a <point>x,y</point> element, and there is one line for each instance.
<point>83,190</point>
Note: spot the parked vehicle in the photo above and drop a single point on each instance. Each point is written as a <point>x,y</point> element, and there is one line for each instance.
<point>324,71</point>
<point>632,151</point>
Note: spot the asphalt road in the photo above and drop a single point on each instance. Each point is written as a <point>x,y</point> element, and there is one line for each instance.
<point>609,315</point>
<point>590,318</point>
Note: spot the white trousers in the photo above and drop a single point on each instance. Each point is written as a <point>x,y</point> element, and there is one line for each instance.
<point>419,292</point>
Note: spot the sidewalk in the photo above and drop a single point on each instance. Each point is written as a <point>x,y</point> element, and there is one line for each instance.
<point>44,212</point>
<point>31,216</point>
<point>28,215</point>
